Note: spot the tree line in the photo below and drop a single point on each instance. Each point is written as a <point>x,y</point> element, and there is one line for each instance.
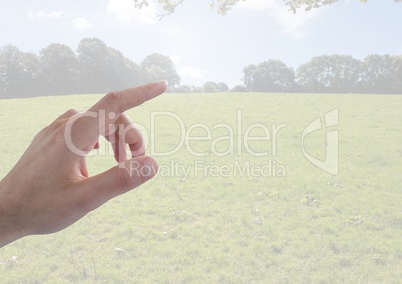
<point>328,74</point>
<point>379,74</point>
<point>92,68</point>
<point>96,68</point>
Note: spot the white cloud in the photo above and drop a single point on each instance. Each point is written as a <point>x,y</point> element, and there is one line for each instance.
<point>294,25</point>
<point>44,15</point>
<point>192,72</point>
<point>176,59</point>
<point>124,11</point>
<point>174,31</point>
<point>82,24</point>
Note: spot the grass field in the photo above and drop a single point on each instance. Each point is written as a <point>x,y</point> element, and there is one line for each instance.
<point>301,225</point>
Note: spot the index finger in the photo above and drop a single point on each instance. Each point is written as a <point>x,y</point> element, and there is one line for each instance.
<point>120,101</point>
<point>106,111</point>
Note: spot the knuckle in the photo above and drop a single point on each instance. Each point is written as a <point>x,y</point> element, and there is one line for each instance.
<point>113,100</point>
<point>112,97</point>
<point>40,133</point>
<point>139,135</point>
<point>55,125</point>
<point>132,133</point>
<point>71,112</point>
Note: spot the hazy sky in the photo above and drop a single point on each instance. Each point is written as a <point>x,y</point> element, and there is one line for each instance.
<point>204,45</point>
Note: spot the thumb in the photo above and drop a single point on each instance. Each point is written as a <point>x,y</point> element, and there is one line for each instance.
<point>118,180</point>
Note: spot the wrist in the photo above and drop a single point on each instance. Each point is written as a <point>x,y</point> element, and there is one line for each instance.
<point>10,229</point>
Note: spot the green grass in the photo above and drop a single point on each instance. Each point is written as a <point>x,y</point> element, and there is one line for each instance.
<point>230,229</point>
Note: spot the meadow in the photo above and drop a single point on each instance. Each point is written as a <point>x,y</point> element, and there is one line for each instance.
<point>292,222</point>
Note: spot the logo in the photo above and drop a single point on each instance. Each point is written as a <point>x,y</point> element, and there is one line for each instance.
<point>331,162</point>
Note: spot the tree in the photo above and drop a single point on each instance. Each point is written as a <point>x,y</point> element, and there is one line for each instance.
<point>94,74</point>
<point>382,74</point>
<point>238,89</point>
<point>210,87</point>
<point>269,76</point>
<point>222,87</point>
<point>398,72</point>
<point>105,68</point>
<point>59,69</point>
<point>223,6</point>
<point>335,73</point>
<point>213,87</point>
<point>183,89</point>
<point>124,72</point>
<point>160,67</point>
<point>18,71</point>
<point>248,77</point>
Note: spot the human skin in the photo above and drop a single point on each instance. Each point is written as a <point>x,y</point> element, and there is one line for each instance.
<point>49,188</point>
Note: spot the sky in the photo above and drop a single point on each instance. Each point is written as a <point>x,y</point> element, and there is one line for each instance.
<point>204,45</point>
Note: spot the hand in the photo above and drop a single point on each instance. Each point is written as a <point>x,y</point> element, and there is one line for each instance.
<point>49,188</point>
